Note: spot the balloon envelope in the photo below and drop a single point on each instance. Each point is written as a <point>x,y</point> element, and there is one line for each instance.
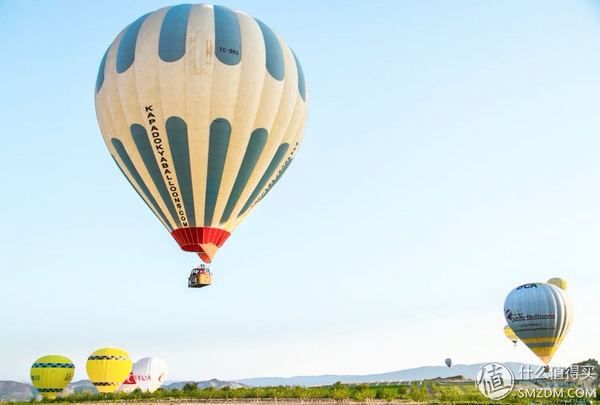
<point>448,362</point>
<point>508,332</point>
<point>128,385</point>
<point>559,282</point>
<point>540,315</point>
<point>150,373</point>
<point>107,368</point>
<point>51,374</point>
<point>202,109</point>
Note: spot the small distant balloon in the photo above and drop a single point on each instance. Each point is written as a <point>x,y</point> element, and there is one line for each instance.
<point>448,362</point>
<point>540,314</point>
<point>107,368</point>
<point>51,374</point>
<point>559,282</point>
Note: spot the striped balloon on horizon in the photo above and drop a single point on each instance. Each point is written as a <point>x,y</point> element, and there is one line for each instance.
<point>202,108</point>
<point>540,314</point>
<point>51,374</point>
<point>107,368</point>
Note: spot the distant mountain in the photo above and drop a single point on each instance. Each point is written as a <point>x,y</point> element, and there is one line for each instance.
<point>205,384</point>
<point>87,386</point>
<point>81,386</point>
<point>413,374</point>
<point>16,391</point>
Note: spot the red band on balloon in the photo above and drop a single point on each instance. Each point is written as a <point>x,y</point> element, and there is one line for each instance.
<point>192,239</point>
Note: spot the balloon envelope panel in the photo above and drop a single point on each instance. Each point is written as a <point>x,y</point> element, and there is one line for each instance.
<point>128,385</point>
<point>202,108</point>
<point>107,368</point>
<point>51,374</point>
<point>540,315</point>
<point>150,373</point>
<point>559,282</point>
<point>508,332</point>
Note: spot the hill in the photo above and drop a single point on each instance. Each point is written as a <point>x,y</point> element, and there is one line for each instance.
<point>13,391</point>
<point>16,391</point>
<point>205,384</point>
<point>413,374</point>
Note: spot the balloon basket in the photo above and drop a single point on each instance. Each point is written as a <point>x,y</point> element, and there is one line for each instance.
<point>200,277</point>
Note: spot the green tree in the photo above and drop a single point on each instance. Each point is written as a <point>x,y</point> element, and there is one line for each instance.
<point>340,392</point>
<point>363,393</point>
<point>418,392</point>
<point>449,394</point>
<point>189,387</point>
<point>388,393</point>
<point>402,391</point>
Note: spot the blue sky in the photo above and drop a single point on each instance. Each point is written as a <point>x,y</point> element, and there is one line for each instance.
<point>451,154</point>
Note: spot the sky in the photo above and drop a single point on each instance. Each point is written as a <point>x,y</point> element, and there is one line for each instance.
<point>451,154</point>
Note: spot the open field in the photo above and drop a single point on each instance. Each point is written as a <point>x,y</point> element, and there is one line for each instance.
<point>260,402</point>
<point>433,391</point>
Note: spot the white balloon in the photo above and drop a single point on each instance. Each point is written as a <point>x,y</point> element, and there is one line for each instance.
<point>150,373</point>
<point>128,385</point>
<point>203,108</point>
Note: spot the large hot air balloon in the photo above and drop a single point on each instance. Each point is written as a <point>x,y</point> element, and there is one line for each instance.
<point>448,362</point>
<point>150,373</point>
<point>508,332</point>
<point>202,109</point>
<point>559,282</point>
<point>107,368</point>
<point>540,315</point>
<point>51,374</point>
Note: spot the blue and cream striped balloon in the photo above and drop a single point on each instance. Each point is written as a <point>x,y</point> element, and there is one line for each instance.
<point>202,108</point>
<point>540,314</point>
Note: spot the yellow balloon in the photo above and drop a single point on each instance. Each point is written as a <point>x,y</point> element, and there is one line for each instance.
<point>559,282</point>
<point>107,368</point>
<point>51,374</point>
<point>508,332</point>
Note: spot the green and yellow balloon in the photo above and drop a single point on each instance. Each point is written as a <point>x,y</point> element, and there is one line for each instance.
<point>51,374</point>
<point>107,368</point>
<point>540,315</point>
<point>203,109</point>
